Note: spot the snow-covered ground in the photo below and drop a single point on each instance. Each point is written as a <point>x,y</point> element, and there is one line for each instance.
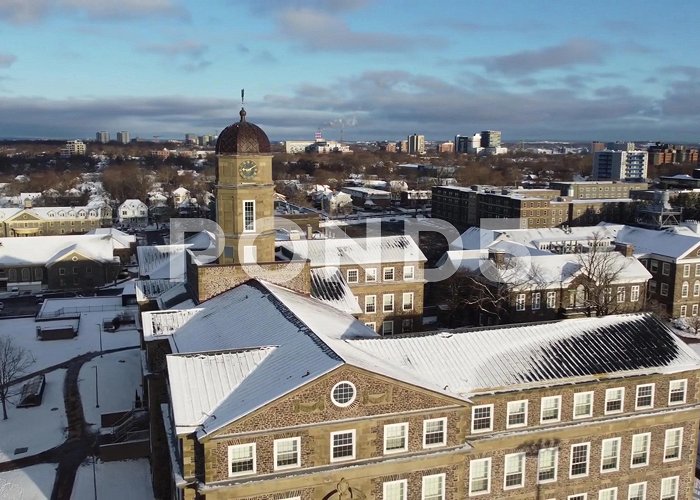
<point>118,378</point>
<point>115,480</point>
<point>37,428</point>
<point>30,483</point>
<point>52,352</point>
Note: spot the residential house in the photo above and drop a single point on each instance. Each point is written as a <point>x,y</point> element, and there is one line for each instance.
<point>133,213</point>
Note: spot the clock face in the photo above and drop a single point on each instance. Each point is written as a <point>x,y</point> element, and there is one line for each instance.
<point>248,169</point>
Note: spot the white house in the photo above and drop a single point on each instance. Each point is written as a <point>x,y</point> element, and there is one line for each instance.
<point>133,212</point>
<point>180,195</point>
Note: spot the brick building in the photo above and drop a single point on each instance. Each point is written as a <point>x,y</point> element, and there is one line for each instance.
<point>300,401</point>
<point>48,221</point>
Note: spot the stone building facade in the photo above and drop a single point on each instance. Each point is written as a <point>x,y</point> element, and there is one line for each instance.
<point>53,221</point>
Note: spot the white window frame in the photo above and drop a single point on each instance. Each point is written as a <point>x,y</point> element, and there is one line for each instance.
<point>542,409</point>
<point>697,269</point>
<point>686,270</point>
<point>352,432</point>
<point>617,446</point>
<point>248,225</point>
<point>637,406</point>
<point>654,265</point>
<point>356,272</point>
<point>512,409</point>
<point>436,444</point>
<point>605,494</point>
<point>587,446</point>
<point>388,327</point>
<point>608,396</point>
<point>664,289</point>
<point>578,496</point>
<point>536,301</point>
<point>551,300</point>
<point>634,293</point>
<point>669,432</point>
<point>276,453</point>
<point>587,394</point>
<point>353,395</point>
<point>540,453</point>
<point>684,311</point>
<point>403,426</point>
<point>520,458</point>
<point>520,302</point>
<point>373,303</point>
<point>472,465</point>
<point>621,293</point>
<point>388,302</point>
<point>665,268</point>
<point>424,493</point>
<point>477,408</point>
<point>371,275</point>
<point>696,288</point>
<point>402,483</point>
<point>250,446</point>
<point>409,302</point>
<point>674,480</point>
<point>694,310</point>
<point>630,492</point>
<point>672,391</point>
<point>388,270</point>
<point>685,288</point>
<point>409,273</point>
<point>645,437</point>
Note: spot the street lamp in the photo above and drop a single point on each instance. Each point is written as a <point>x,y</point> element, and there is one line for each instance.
<point>100,326</point>
<point>97,392</point>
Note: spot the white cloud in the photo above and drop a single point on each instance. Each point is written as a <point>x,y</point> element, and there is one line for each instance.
<point>30,11</point>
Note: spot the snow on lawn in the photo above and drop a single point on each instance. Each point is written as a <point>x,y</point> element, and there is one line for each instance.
<point>30,483</point>
<point>36,428</point>
<point>118,379</point>
<point>52,352</point>
<point>115,480</point>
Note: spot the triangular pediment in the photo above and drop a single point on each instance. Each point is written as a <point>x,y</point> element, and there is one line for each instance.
<point>24,216</point>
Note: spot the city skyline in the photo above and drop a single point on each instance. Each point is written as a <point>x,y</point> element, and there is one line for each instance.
<point>356,69</point>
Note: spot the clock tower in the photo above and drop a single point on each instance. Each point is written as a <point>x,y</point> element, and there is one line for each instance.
<point>244,194</point>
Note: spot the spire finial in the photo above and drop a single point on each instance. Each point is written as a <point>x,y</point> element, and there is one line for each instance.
<point>242,97</point>
<point>242,113</point>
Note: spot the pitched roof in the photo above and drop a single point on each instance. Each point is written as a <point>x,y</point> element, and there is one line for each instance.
<point>329,286</point>
<point>41,250</point>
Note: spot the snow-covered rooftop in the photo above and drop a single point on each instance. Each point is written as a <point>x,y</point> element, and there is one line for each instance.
<point>329,286</point>
<point>162,262</point>
<point>41,250</point>
<point>121,239</point>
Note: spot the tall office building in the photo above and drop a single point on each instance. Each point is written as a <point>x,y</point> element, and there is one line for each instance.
<point>416,144</point>
<point>102,137</point>
<point>490,138</point>
<point>620,165</point>
<point>462,143</point>
<point>123,137</point>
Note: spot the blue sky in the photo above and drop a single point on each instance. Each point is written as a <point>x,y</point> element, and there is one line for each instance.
<point>606,70</point>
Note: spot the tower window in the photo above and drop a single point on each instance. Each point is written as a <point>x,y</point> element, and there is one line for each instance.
<point>249,215</point>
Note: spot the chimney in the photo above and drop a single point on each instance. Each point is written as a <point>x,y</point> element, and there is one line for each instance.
<point>27,202</point>
<point>625,249</point>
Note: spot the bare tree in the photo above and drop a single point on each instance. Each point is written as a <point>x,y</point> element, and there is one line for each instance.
<point>14,361</point>
<point>601,267</point>
<point>693,323</point>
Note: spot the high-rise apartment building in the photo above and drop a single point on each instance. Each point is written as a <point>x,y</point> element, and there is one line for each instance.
<point>490,138</point>
<point>123,137</point>
<point>416,144</point>
<point>102,137</point>
<point>620,165</point>
<point>73,148</point>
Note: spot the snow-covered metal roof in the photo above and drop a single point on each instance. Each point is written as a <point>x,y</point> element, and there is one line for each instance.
<point>41,250</point>
<point>329,286</point>
<point>672,242</point>
<point>358,251</point>
<point>162,261</point>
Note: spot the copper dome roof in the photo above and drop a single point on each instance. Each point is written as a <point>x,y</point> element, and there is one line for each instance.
<point>242,137</point>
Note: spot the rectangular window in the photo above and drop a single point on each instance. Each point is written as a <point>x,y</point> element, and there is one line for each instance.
<point>610,455</point>
<point>620,294</point>
<point>697,269</point>
<point>696,289</point>
<point>434,431</point>
<point>342,445</point>
<point>579,496</point>
<point>520,302</point>
<point>388,328</point>
<point>640,450</point>
<point>634,293</point>
<point>388,302</point>
<point>407,304</point>
<point>665,268</point>
<point>547,459</point>
<point>514,471</point>
<point>395,490</point>
<point>370,304</point>
<point>395,438</point>
<point>388,274</point>
<point>287,453</point>
<point>654,265</point>
<point>607,494</point>
<point>672,444</point>
<point>353,276</point>
<point>684,311</point>
<point>516,414</point>
<point>645,397</point>
<point>549,409</point>
<point>372,326</point>
<point>536,301</point>
<point>249,216</point>
<point>61,272</point>
<point>241,459</point>
<point>482,418</point>
<point>676,391</point>
<point>406,325</point>
<point>637,491</point>
<point>371,275</point>
<point>669,488</point>
<point>579,460</point>
<point>614,400</point>
<point>695,310</point>
<point>686,270</point>
<point>664,289</point>
<point>652,286</point>
<point>433,487</point>
<point>551,300</point>
<point>408,272</point>
<point>684,290</point>
<point>479,476</point>
<point>583,404</point>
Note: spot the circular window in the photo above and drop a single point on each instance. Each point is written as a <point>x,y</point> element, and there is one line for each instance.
<point>343,394</point>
